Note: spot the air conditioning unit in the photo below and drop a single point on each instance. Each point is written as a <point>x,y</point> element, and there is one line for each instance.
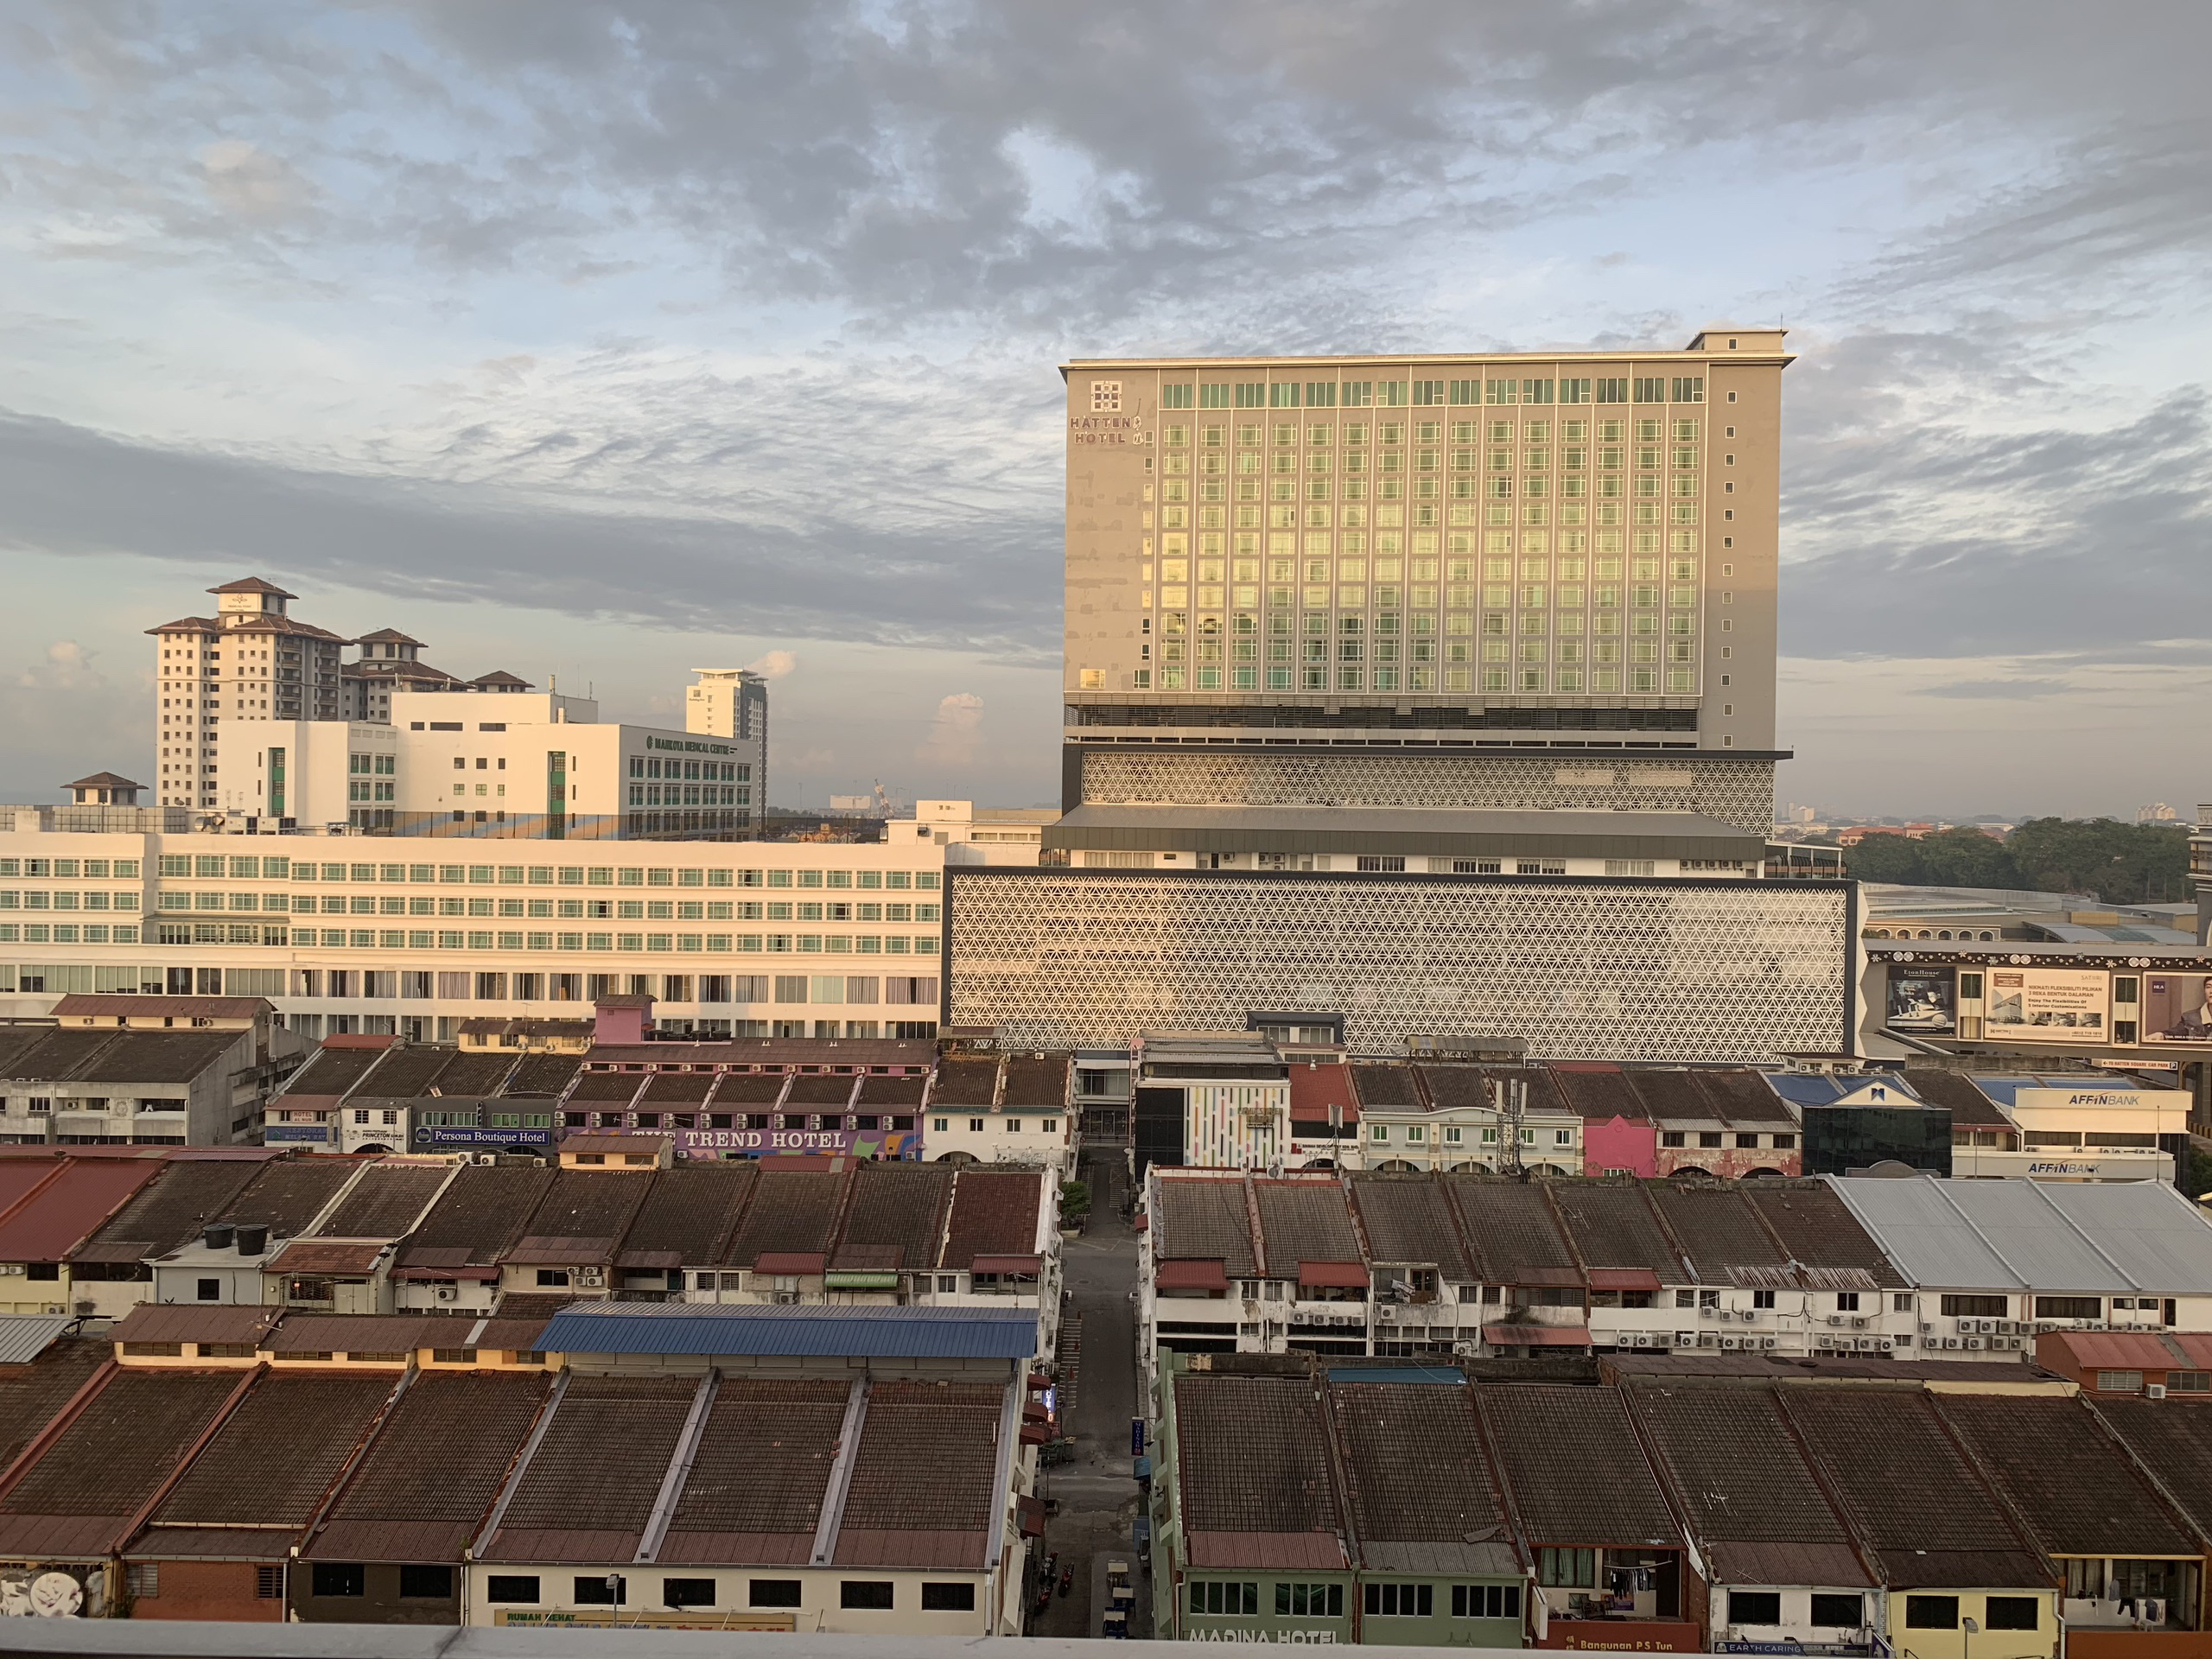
<point>1709,1312</point>
<point>1835,1319</point>
<point>1824,1340</point>
<point>447,1292</point>
<point>1886,1344</point>
<point>1975,1343</point>
<point>1730,1342</point>
<point>593,1276</point>
<point>1685,1338</point>
<point>1768,1342</point>
<point>1859,1325</point>
<point>487,1157</point>
<point>1950,1342</point>
<point>2154,1390</point>
<point>1705,1342</point>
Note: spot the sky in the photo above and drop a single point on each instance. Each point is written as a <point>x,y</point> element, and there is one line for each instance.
<point>606,340</point>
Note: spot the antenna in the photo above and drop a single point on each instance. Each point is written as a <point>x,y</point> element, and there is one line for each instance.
<point>1510,1097</point>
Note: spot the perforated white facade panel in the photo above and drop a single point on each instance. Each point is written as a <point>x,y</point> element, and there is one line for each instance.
<point>1734,791</point>
<point>1628,970</point>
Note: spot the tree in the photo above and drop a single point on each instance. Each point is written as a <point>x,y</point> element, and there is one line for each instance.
<point>1885,858</point>
<point>2121,863</point>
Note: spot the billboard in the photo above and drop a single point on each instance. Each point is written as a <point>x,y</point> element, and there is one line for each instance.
<point>1922,1000</point>
<point>2175,1008</point>
<point>2047,1005</point>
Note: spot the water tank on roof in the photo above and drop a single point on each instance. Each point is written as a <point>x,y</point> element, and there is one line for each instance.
<point>253,1240</point>
<point>217,1235</point>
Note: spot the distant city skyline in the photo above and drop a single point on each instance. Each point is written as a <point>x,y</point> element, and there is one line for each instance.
<point>539,335</point>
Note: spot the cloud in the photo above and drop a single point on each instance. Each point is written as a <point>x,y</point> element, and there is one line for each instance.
<point>251,183</point>
<point>67,490</point>
<point>741,317</point>
<point>1983,690</point>
<point>67,665</point>
<point>955,733</point>
<point>775,665</point>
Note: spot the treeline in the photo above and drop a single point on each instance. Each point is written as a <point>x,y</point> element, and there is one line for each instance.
<point>2121,863</point>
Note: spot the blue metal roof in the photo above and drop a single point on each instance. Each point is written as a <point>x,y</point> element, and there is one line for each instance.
<point>835,1333</point>
<point>1448,1375</point>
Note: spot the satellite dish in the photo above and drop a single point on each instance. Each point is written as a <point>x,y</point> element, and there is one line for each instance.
<point>56,1595</point>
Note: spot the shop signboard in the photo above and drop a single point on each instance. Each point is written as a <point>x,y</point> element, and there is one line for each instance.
<point>2047,1005</point>
<point>1923,1000</point>
<point>440,1140</point>
<point>2177,1008</point>
<point>311,1134</point>
<point>711,1144</point>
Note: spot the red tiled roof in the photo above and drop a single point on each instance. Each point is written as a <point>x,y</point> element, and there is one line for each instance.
<point>48,1224</point>
<point>1537,1335</point>
<point>1191,1275</point>
<point>2131,1351</point>
<point>995,1213</point>
<point>195,1322</point>
<point>1341,1275</point>
<point>1623,1279</point>
<point>81,1004</point>
<point>315,1255</point>
<point>1314,1088</point>
<point>789,1261</point>
<point>434,1469</point>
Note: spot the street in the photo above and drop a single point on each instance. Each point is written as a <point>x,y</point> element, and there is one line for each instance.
<point>1097,1492</point>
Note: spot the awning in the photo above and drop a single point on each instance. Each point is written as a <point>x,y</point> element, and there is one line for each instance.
<point>1623,1279</point>
<point>1038,1382</point>
<point>1035,1435</point>
<point>1033,1411</point>
<point>1536,1336</point>
<point>1191,1275</point>
<point>1345,1275</point>
<point>1030,1511</point>
<point>790,1262</point>
<point>1031,1265</point>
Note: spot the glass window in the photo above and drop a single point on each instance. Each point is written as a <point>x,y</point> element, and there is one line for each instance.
<point>1754,1607</point>
<point>1218,1599</point>
<point>1839,1611</point>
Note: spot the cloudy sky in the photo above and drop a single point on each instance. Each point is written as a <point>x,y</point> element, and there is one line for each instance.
<point>605,341</point>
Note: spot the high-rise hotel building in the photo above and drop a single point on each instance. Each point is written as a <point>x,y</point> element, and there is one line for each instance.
<point>1506,583</point>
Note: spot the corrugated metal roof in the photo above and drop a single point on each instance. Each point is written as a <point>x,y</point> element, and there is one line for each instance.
<point>852,1332</point>
<point>1918,1229</point>
<point>24,1337</point>
<point>2034,1237</point>
<point>2117,1237</point>
<point>2158,1238</point>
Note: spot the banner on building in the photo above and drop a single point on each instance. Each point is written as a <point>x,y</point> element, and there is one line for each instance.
<point>2047,1005</point>
<point>2177,1008</point>
<point>1923,1000</point>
